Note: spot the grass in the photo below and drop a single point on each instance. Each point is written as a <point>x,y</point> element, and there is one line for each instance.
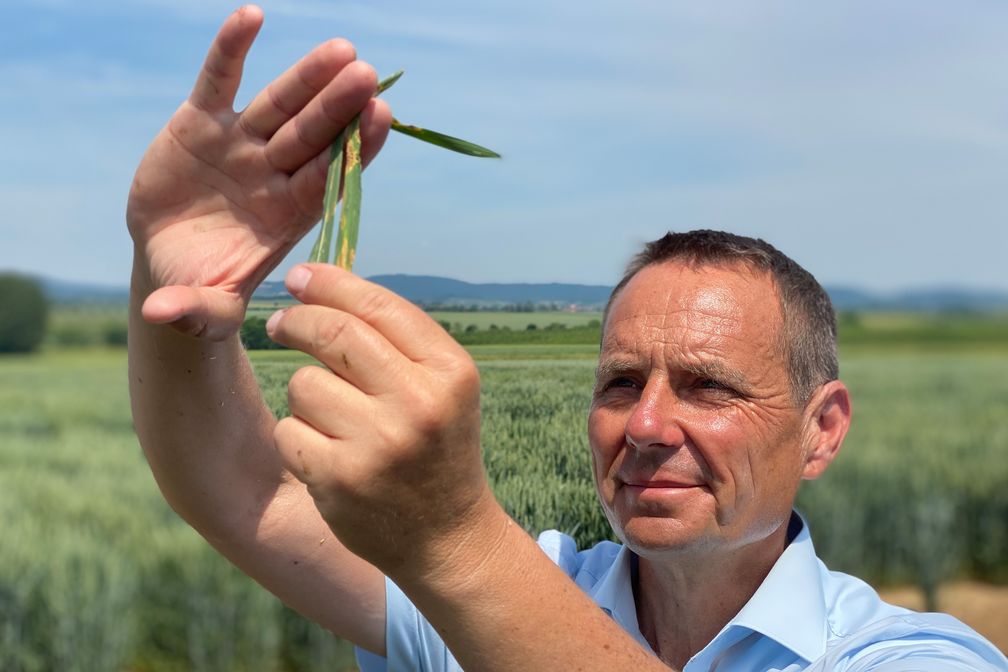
<point>96,572</point>
<point>514,320</point>
<point>459,320</point>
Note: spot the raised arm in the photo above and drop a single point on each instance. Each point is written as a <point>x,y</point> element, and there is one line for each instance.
<point>384,443</point>
<point>218,200</point>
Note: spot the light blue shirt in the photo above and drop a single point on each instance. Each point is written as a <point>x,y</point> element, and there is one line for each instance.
<point>802,617</point>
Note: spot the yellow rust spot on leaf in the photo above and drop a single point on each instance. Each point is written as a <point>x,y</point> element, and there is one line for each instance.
<point>345,258</point>
<point>352,155</point>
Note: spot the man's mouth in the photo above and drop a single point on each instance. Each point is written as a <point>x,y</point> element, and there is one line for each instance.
<point>637,481</point>
<point>662,484</point>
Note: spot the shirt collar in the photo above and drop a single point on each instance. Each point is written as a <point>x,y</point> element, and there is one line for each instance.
<point>614,594</point>
<point>789,607</point>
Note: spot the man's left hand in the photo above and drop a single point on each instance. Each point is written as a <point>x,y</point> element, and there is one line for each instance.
<point>387,437</point>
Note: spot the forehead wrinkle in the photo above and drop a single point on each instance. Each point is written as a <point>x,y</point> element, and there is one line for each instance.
<point>695,352</point>
<point>678,350</point>
<point>703,321</point>
<point>644,336</point>
<point>684,323</point>
<point>718,370</point>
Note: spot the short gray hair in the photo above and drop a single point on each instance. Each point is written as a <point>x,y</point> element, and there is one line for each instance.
<point>809,329</point>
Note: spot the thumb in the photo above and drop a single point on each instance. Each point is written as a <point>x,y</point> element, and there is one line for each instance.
<point>201,312</point>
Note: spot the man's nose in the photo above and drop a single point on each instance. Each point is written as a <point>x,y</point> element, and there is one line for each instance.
<point>655,421</point>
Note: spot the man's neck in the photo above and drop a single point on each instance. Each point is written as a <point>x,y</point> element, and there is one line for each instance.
<point>684,601</point>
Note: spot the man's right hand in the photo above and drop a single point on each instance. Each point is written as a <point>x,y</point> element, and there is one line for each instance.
<point>221,196</point>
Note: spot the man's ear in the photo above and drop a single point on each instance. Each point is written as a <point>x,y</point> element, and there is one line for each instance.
<point>827,418</point>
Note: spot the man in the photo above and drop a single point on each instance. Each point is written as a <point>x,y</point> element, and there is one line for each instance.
<point>368,509</point>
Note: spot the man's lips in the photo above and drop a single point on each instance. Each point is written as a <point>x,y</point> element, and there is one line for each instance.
<point>662,484</point>
<point>660,492</point>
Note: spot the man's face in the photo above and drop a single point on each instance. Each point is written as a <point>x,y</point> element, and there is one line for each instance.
<point>695,439</point>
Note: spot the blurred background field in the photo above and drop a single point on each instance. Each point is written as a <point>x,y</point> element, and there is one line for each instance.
<point>97,573</point>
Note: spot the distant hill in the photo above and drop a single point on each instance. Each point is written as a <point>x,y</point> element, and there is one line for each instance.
<point>434,290</point>
<point>62,291</point>
<point>430,290</point>
<point>935,299</point>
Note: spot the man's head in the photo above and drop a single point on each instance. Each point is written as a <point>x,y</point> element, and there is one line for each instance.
<point>704,418</point>
<point>808,336</point>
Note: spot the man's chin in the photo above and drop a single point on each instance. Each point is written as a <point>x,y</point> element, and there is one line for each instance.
<point>662,536</point>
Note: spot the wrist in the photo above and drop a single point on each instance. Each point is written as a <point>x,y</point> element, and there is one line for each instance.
<point>461,556</point>
<point>141,282</point>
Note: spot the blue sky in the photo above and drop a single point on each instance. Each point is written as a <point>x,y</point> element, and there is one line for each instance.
<point>867,140</point>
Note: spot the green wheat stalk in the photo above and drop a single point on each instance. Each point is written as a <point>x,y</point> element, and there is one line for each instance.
<point>344,176</point>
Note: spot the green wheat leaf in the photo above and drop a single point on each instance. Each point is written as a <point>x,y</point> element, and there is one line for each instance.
<point>344,176</point>
<point>349,224</point>
<point>322,251</point>
<point>442,140</point>
<point>387,83</point>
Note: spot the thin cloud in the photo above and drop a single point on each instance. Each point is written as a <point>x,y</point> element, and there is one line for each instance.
<point>780,119</point>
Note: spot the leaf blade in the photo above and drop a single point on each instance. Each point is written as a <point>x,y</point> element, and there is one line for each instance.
<point>322,251</point>
<point>387,83</point>
<point>445,141</point>
<point>349,223</point>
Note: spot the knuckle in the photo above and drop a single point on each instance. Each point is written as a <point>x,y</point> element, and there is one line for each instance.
<point>194,326</point>
<point>303,384</point>
<point>213,68</point>
<point>430,413</point>
<point>300,132</point>
<point>462,375</point>
<point>284,432</point>
<point>277,101</point>
<point>428,424</point>
<point>467,373</point>
<point>328,333</point>
<point>428,417</point>
<point>374,304</point>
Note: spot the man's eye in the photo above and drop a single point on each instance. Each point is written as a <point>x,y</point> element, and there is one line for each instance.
<point>621,382</point>
<point>710,384</point>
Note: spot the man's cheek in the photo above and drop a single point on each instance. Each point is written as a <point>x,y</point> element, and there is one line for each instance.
<point>597,443</point>
<point>600,468</point>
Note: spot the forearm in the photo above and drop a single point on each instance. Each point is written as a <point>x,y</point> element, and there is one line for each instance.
<point>208,437</point>
<point>201,421</point>
<point>501,605</point>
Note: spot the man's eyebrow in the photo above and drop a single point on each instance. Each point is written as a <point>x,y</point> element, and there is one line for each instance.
<point>613,367</point>
<point>719,372</point>
<point>713,369</point>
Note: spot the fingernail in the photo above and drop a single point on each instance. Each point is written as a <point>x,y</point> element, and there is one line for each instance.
<point>297,279</point>
<point>274,321</point>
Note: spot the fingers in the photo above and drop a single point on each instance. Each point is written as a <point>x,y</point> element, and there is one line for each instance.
<point>405,326</point>
<point>307,185</point>
<point>326,402</point>
<point>376,119</point>
<point>218,81</point>
<point>199,312</point>
<point>353,350</point>
<point>306,453</point>
<point>291,91</point>
<point>313,129</point>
